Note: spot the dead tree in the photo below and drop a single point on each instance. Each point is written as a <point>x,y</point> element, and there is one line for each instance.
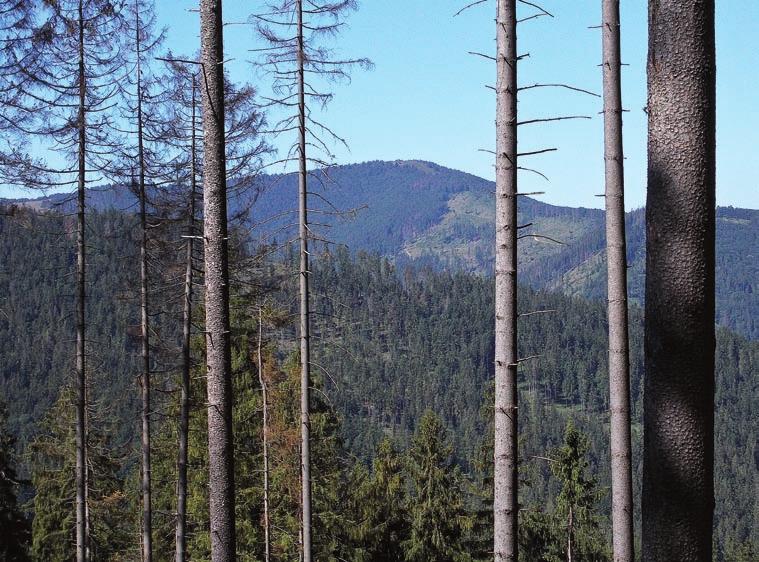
<point>218,346</point>
<point>180,131</point>
<point>678,463</point>
<point>616,257</point>
<point>69,69</point>
<point>506,494</point>
<point>141,42</point>
<point>293,31</point>
<point>265,423</point>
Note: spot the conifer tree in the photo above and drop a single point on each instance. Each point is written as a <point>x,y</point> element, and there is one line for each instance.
<point>14,527</point>
<point>575,504</point>
<point>70,69</point>
<point>678,453</point>
<point>379,506</point>
<point>439,519</point>
<point>616,259</point>
<point>54,479</point>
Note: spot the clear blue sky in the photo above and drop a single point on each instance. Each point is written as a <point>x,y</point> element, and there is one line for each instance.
<point>426,97</point>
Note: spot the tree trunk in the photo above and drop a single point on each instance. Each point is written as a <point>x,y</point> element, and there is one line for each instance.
<point>218,352</point>
<point>678,465</point>
<point>265,420</point>
<point>147,515</point>
<point>506,502</point>
<point>81,377</point>
<point>184,401</point>
<point>305,333</point>
<point>570,534</point>
<point>616,257</point>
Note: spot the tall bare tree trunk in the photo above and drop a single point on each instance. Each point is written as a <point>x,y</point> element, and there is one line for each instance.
<point>81,377</point>
<point>305,321</point>
<point>265,416</point>
<point>218,351</point>
<point>678,465</point>
<point>616,257</point>
<point>147,515</point>
<point>506,496</point>
<point>184,400</point>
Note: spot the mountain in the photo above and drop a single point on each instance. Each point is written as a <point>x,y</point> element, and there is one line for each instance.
<point>422,213</point>
<point>389,345</point>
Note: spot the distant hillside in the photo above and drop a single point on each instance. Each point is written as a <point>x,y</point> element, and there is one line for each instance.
<point>389,345</point>
<point>414,211</point>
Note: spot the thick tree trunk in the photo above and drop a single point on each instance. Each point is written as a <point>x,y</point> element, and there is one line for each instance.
<point>147,515</point>
<point>184,400</point>
<point>616,256</point>
<point>81,377</point>
<point>265,420</point>
<point>678,465</point>
<point>305,320</point>
<point>218,352</point>
<point>506,498</point>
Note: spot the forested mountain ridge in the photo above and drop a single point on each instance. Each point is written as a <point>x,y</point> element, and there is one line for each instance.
<point>422,213</point>
<point>392,343</point>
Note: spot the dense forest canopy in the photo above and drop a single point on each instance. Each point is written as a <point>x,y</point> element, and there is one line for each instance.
<point>218,344</point>
<point>393,343</point>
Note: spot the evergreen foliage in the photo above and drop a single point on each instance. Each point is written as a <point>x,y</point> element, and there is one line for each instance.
<point>380,506</point>
<point>14,526</point>
<point>390,344</point>
<point>439,519</point>
<point>53,470</point>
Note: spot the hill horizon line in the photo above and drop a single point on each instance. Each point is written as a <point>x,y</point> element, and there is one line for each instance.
<point>34,197</point>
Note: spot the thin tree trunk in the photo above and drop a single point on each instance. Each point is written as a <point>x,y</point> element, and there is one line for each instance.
<point>81,377</point>
<point>678,464</point>
<point>265,416</point>
<point>570,534</point>
<point>616,256</point>
<point>218,351</point>
<point>184,401</point>
<point>505,498</point>
<point>147,515</point>
<point>305,334</point>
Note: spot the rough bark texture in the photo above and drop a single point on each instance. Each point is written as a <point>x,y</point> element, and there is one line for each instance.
<point>506,502</point>
<point>678,466</point>
<point>218,351</point>
<point>616,254</point>
<point>81,377</point>
<point>305,317</point>
<point>184,400</point>
<point>147,514</point>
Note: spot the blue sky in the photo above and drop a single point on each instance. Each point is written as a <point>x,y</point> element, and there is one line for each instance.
<point>426,97</point>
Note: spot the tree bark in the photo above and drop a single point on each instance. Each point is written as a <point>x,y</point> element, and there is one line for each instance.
<point>506,498</point>
<point>265,420</point>
<point>184,400</point>
<point>305,320</point>
<point>147,515</point>
<point>218,351</point>
<point>678,465</point>
<point>616,257</point>
<point>81,376</point>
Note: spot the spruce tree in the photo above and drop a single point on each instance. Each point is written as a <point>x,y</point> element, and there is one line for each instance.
<point>380,504</point>
<point>53,468</point>
<point>439,519</point>
<point>14,527</point>
<point>575,504</point>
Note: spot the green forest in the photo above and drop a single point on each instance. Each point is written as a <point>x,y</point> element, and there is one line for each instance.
<point>224,337</point>
<point>405,366</point>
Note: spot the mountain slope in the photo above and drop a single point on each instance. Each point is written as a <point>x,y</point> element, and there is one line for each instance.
<point>426,214</point>
<point>388,345</point>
